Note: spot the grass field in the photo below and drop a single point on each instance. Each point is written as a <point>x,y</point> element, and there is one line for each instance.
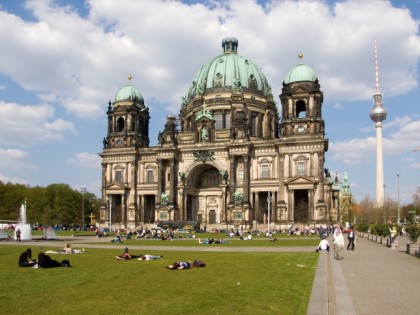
<point>231,283</point>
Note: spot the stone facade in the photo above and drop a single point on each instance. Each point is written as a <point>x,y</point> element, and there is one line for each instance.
<point>220,160</point>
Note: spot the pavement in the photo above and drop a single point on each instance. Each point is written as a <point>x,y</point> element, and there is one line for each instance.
<point>372,279</point>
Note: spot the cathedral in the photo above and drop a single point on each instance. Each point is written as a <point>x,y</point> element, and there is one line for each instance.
<point>232,158</point>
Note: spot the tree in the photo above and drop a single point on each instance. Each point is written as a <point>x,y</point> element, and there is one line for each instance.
<point>345,209</point>
<point>11,198</point>
<point>61,205</point>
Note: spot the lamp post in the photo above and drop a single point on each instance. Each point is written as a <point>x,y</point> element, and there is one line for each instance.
<point>83,191</point>
<point>269,202</point>
<point>398,201</point>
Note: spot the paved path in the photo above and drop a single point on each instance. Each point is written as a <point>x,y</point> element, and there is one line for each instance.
<point>372,279</point>
<point>380,280</point>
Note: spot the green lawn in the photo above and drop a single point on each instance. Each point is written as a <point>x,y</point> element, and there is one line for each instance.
<point>228,242</point>
<point>231,283</point>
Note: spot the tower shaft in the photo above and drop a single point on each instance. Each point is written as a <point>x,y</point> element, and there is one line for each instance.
<point>380,186</point>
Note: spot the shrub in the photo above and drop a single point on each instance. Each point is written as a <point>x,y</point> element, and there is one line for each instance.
<point>362,227</point>
<point>413,232</point>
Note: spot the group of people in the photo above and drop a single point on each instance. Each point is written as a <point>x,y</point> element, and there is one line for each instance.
<point>338,242</point>
<point>126,256</point>
<point>176,265</point>
<point>211,241</point>
<point>44,261</point>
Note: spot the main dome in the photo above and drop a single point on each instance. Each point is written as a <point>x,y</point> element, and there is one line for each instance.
<point>229,70</point>
<point>300,72</point>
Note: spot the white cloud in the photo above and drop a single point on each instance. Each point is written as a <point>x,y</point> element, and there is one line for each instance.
<point>60,125</point>
<point>363,150</point>
<point>86,159</point>
<point>24,125</point>
<point>85,60</point>
<point>15,159</point>
<point>13,180</point>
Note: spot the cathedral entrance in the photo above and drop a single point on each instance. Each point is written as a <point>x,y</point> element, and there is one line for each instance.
<point>149,208</point>
<point>301,206</point>
<point>204,195</point>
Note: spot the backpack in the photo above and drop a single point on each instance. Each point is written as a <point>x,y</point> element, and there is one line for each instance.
<point>198,263</point>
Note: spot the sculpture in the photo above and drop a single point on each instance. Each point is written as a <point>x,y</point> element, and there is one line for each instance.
<point>224,174</point>
<point>204,134</point>
<point>164,198</point>
<point>237,196</point>
<point>182,176</point>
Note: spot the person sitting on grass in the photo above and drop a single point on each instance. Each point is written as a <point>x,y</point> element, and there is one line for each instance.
<point>149,257</point>
<point>323,245</point>
<point>179,265</point>
<point>25,259</point>
<point>126,255</point>
<point>116,239</point>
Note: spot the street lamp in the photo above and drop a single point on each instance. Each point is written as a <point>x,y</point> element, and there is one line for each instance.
<point>398,201</point>
<point>269,202</point>
<point>83,191</point>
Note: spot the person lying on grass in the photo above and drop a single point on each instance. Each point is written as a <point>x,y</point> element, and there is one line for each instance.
<point>45,261</point>
<point>179,265</point>
<point>149,257</point>
<point>126,255</point>
<point>186,265</point>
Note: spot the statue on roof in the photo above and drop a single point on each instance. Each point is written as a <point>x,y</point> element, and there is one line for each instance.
<point>327,172</point>
<point>237,86</point>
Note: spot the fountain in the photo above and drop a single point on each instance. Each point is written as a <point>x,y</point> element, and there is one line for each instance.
<point>25,229</point>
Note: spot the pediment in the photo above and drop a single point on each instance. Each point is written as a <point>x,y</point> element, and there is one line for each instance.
<point>115,186</point>
<point>300,180</point>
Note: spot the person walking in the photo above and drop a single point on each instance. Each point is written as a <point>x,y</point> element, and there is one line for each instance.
<point>393,233</point>
<point>18,235</point>
<point>338,244</point>
<point>351,236</point>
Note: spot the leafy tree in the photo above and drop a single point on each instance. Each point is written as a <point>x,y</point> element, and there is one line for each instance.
<point>11,198</point>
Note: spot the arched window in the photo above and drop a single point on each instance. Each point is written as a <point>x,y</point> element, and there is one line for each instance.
<point>120,124</point>
<point>300,109</point>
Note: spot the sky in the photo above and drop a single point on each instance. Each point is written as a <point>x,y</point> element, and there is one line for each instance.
<point>62,61</point>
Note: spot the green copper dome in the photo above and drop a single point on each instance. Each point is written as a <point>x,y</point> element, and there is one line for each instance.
<point>229,72</point>
<point>129,93</point>
<point>300,73</point>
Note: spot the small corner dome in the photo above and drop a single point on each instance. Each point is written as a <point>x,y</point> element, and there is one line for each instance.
<point>129,93</point>
<point>300,72</point>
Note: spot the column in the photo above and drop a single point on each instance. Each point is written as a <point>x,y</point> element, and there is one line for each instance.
<point>159,181</point>
<point>291,207</point>
<point>141,208</point>
<point>103,181</point>
<point>123,210</point>
<point>311,209</point>
<point>246,179</point>
<point>257,207</point>
<point>172,182</point>
<point>321,177</point>
<point>280,172</point>
<point>232,177</point>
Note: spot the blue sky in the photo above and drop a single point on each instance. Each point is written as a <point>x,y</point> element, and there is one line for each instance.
<point>62,61</point>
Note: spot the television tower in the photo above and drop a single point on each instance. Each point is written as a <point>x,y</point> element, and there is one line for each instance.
<point>378,114</point>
